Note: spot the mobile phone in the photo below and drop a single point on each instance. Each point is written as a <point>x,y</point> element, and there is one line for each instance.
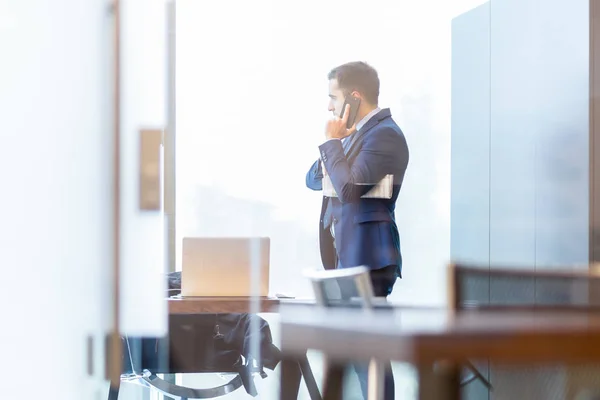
<point>354,104</point>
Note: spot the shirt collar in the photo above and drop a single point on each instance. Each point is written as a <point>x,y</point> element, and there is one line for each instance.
<point>366,118</point>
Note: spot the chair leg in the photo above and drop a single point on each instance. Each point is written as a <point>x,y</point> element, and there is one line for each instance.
<point>309,378</point>
<point>113,391</point>
<point>376,380</point>
<point>478,374</point>
<point>183,392</point>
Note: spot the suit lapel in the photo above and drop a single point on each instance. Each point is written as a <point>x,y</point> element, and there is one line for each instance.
<point>348,142</point>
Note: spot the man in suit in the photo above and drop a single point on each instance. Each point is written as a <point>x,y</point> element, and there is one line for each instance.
<point>353,230</point>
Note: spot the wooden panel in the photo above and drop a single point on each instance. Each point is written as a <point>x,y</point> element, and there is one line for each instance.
<point>150,169</point>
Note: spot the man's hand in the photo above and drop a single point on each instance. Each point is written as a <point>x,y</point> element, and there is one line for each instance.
<point>336,127</point>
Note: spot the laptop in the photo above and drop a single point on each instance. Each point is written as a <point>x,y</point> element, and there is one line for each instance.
<point>222,266</point>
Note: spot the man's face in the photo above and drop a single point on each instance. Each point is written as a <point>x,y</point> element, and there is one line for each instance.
<point>336,98</point>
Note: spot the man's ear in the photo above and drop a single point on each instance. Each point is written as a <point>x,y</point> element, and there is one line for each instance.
<point>356,94</point>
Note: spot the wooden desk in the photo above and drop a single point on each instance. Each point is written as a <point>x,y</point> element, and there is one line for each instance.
<point>424,337</point>
<point>199,305</point>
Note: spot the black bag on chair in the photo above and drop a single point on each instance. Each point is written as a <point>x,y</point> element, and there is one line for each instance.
<point>218,339</point>
<point>202,343</point>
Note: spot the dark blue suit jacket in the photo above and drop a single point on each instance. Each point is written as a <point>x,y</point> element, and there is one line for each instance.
<point>365,229</point>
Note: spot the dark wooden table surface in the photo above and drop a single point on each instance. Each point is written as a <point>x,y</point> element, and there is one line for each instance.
<point>199,305</point>
<point>424,337</point>
<point>428,335</point>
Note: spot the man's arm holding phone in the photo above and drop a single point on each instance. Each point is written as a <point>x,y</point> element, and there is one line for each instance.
<point>377,158</point>
<point>314,177</point>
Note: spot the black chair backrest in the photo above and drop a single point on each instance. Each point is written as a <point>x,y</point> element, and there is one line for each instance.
<point>491,288</point>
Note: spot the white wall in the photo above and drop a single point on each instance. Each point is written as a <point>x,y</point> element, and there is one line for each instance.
<point>56,162</point>
<point>56,192</point>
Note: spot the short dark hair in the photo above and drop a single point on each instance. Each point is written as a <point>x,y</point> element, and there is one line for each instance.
<point>359,76</point>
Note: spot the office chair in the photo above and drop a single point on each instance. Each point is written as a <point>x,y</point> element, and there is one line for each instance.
<point>196,344</point>
<point>144,358</point>
<point>475,288</point>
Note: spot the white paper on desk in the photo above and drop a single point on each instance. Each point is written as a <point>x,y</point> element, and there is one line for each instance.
<point>382,190</point>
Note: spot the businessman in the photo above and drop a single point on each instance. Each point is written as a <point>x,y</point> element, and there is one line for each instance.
<point>354,230</point>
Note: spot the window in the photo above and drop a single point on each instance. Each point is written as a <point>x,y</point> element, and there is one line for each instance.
<point>251,108</point>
